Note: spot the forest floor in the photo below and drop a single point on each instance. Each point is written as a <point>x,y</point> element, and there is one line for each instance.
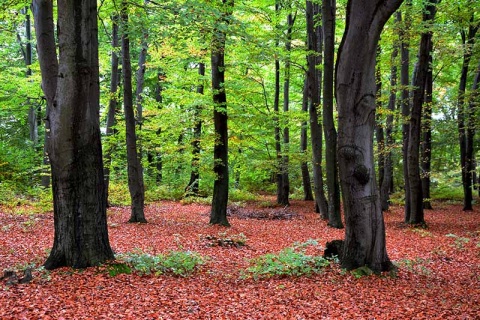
<point>438,276</point>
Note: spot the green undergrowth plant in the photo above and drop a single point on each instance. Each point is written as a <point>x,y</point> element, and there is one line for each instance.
<point>177,263</point>
<point>417,265</point>
<point>291,261</point>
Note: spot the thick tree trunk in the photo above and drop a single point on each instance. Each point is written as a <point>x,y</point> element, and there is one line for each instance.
<point>355,92</point>
<point>135,170</point>
<point>468,40</point>
<point>218,215</point>
<point>333,186</point>
<point>192,187</point>
<point>470,135</point>
<point>113,102</point>
<point>72,91</point>
<point>306,183</point>
<point>314,78</point>
<point>379,132</point>
<point>416,194</point>
<point>426,146</point>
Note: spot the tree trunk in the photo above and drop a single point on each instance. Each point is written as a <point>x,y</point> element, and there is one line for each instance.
<point>468,40</point>
<point>135,170</point>
<point>355,93</point>
<point>470,133</point>
<point>306,183</point>
<point>113,102</point>
<point>276,110</point>
<point>416,194</point>
<point>218,215</point>
<point>192,187</point>
<point>314,78</point>
<point>426,146</point>
<point>333,187</point>
<point>71,87</point>
<point>284,193</point>
<point>386,182</point>
<point>405,101</point>
<point>379,132</point>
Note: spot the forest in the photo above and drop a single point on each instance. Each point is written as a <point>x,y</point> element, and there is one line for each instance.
<point>199,159</point>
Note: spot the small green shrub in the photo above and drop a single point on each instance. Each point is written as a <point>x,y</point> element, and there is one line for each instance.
<point>115,269</point>
<point>291,261</point>
<point>178,263</point>
<point>362,272</point>
<point>459,242</point>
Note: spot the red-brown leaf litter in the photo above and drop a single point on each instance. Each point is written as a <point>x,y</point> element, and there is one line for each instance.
<point>438,278</point>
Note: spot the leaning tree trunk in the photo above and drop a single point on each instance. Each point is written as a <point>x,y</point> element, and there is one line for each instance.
<point>314,76</point>
<point>355,93</point>
<point>135,170</point>
<point>416,192</point>
<point>333,187</point>
<point>218,215</point>
<point>71,87</point>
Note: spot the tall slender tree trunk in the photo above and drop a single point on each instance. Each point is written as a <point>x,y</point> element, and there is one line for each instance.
<point>113,102</point>
<point>192,187</point>
<point>386,182</point>
<point>284,193</point>
<point>135,170</point>
<point>71,86</point>
<point>468,40</point>
<point>405,101</point>
<point>355,93</point>
<point>426,146</point>
<point>416,192</point>
<point>314,78</point>
<point>218,215</point>
<point>276,119</point>
<point>306,183</point>
<point>333,186</point>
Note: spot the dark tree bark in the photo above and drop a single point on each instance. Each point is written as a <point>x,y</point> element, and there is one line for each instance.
<point>135,170</point>
<point>379,132</point>
<point>314,79</point>
<point>218,215</point>
<point>284,192</point>
<point>386,181</point>
<point>192,187</point>
<point>355,93</point>
<point>306,183</point>
<point>113,102</point>
<point>415,182</point>
<point>468,40</point>
<point>405,101</point>
<point>333,186</point>
<point>71,86</point>
<point>426,145</point>
<point>276,109</point>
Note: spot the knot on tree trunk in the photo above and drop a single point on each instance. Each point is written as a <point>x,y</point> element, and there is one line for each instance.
<point>362,174</point>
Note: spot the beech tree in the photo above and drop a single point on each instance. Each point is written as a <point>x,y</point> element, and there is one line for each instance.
<point>419,82</point>
<point>135,170</point>
<point>355,94</point>
<point>218,214</point>
<point>314,79</point>
<point>71,87</point>
<point>333,187</point>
